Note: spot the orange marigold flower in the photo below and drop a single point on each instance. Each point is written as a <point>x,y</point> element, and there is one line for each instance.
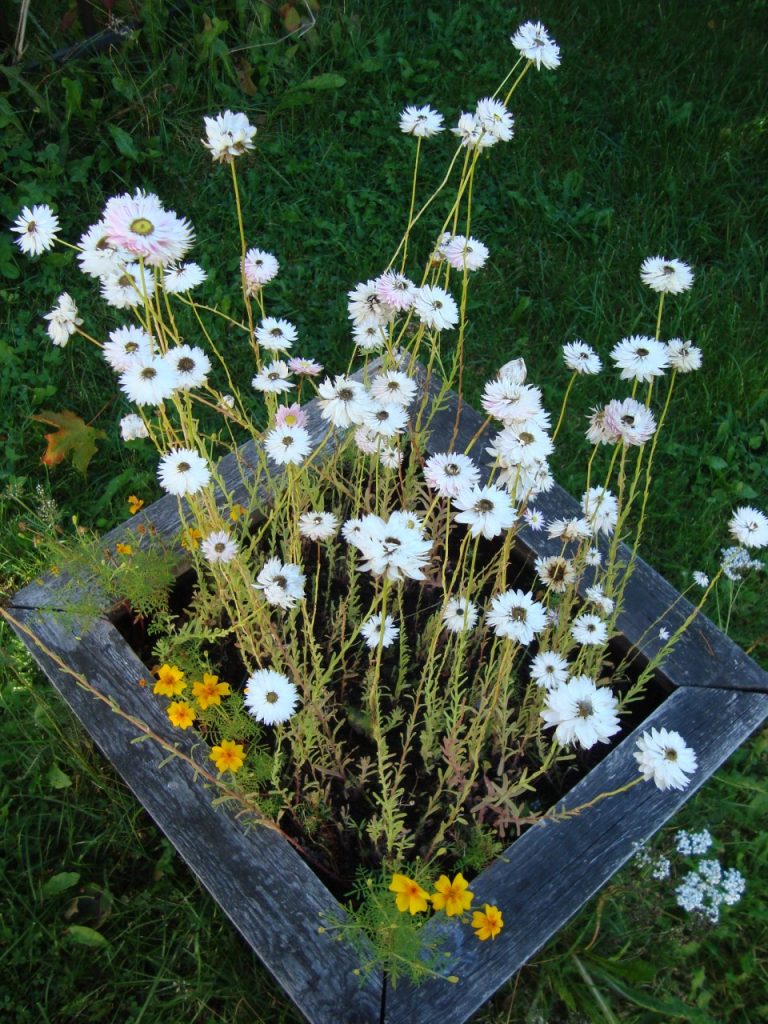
<point>229,756</point>
<point>181,715</point>
<point>170,681</point>
<point>487,923</point>
<point>237,512</point>
<point>134,504</point>
<point>191,538</point>
<point>209,691</point>
<point>410,895</point>
<point>452,896</point>
<point>124,549</point>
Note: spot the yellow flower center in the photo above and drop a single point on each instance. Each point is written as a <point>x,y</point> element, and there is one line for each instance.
<point>142,226</point>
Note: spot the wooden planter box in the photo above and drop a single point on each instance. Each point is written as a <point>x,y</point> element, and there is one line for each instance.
<point>717,697</point>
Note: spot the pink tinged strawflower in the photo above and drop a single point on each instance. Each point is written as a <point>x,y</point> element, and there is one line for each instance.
<point>141,225</point>
<point>663,756</point>
<point>395,290</point>
<point>667,276</point>
<point>305,367</point>
<point>183,471</point>
<point>36,229</point>
<point>291,416</point>
<point>228,136</point>
<point>464,253</point>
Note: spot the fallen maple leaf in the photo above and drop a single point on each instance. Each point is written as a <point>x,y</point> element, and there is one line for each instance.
<point>72,437</point>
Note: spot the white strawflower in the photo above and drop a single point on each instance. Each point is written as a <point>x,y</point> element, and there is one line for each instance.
<point>581,358</point>
<point>281,583</point>
<point>148,380</point>
<point>287,444</point>
<point>128,287</point>
<point>372,633</point>
<point>533,41</point>
<point>581,712</point>
<point>515,615</point>
<point>318,525</point>
<point>549,669</point>
<point>395,290</point>
<point>514,372</point>
<point>749,527</point>
<point>435,308</point>
<point>465,253</point>
<point>597,596</point>
<point>344,401</point>
<point>663,275</point>
<point>36,229</point>
<point>390,458</point>
<point>568,529</point>
<point>395,547</point>
<point>451,474</point>
<point>385,420</point>
<point>471,132</point>
<point>629,421</point>
<point>459,614</point>
<point>273,378</point>
<point>521,444</point>
<point>394,387</point>
<point>421,122</point>
<point>365,305</point>
<point>183,471</point>
<point>259,268</point>
<point>495,119</point>
<point>601,509</point>
<point>700,578</point>
<point>270,696</point>
<point>183,278</point>
<point>132,427</point>
<point>228,135</point>
<point>640,358</point>
<point>512,403</point>
<point>535,519</point>
<point>486,510</point>
<point>683,356</point>
<point>98,256</point>
<point>125,346</point>
<point>556,573</point>
<point>589,629</point>
<point>219,547</point>
<point>663,755</point>
<point>274,335</point>
<point>369,335</point>
<point>63,320</point>
<point>190,366</point>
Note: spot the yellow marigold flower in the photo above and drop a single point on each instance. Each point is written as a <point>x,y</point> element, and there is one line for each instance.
<point>410,895</point>
<point>124,549</point>
<point>237,512</point>
<point>452,896</point>
<point>170,681</point>
<point>134,504</point>
<point>228,757</point>
<point>209,691</point>
<point>191,538</point>
<point>181,715</point>
<point>487,923</point>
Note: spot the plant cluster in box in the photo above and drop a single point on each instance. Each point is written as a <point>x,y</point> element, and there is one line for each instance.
<point>363,652</point>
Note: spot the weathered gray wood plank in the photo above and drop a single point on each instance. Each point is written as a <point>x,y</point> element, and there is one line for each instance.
<point>553,869</point>
<point>268,892</point>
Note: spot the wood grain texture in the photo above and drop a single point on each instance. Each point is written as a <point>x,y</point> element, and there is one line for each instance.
<point>255,875</point>
<point>548,874</point>
<point>268,892</point>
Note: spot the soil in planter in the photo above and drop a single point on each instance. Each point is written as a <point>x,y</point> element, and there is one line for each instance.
<point>329,834</point>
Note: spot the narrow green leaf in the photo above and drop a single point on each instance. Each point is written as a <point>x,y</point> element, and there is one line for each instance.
<point>84,936</point>
<point>57,779</point>
<point>123,141</point>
